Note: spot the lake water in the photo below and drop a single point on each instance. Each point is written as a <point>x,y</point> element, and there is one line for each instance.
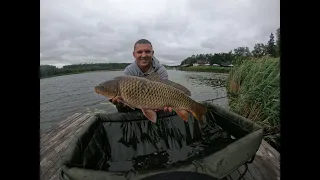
<point>63,96</point>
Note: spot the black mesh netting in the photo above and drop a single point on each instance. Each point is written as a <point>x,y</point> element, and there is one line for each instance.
<point>128,146</point>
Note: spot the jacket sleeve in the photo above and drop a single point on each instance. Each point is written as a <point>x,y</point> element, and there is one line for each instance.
<point>162,72</point>
<point>129,71</point>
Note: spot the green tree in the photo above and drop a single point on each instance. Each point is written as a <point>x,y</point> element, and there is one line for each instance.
<point>278,42</point>
<point>259,50</point>
<point>242,51</point>
<point>48,70</point>
<point>271,47</point>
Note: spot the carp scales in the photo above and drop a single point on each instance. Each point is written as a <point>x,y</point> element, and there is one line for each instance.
<point>151,93</point>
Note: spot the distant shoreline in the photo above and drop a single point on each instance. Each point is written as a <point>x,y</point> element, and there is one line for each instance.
<point>191,69</point>
<point>63,74</point>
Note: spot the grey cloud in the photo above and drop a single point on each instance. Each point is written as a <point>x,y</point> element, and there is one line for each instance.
<point>83,31</point>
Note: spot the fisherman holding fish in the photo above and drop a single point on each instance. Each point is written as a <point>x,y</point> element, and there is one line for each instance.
<point>144,64</point>
<point>145,86</point>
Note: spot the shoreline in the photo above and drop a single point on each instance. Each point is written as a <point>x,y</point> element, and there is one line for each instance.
<point>64,74</point>
<point>197,69</point>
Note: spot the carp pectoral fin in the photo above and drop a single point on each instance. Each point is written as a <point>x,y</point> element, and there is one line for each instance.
<point>183,114</point>
<point>125,103</point>
<point>150,114</point>
<point>198,111</point>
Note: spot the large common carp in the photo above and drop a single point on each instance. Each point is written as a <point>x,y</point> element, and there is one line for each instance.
<point>151,93</point>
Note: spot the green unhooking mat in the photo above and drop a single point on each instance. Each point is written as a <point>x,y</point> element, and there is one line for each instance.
<point>127,146</point>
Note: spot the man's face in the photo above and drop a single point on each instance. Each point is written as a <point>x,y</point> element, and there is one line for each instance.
<point>143,54</point>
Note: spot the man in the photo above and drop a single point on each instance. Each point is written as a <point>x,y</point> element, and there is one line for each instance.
<point>144,64</point>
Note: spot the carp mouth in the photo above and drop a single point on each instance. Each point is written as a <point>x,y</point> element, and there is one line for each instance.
<point>108,89</point>
<point>98,89</point>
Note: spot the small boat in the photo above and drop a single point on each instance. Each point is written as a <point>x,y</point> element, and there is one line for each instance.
<point>128,146</point>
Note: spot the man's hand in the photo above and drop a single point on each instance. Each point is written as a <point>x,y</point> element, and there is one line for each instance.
<point>116,101</point>
<point>166,109</point>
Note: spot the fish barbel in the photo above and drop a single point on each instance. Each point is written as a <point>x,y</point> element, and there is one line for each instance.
<point>151,93</point>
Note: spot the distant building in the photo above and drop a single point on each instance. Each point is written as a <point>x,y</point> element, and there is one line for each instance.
<point>226,64</point>
<point>186,65</point>
<point>201,63</point>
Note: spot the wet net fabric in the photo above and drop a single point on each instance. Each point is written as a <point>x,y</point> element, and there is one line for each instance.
<point>128,146</point>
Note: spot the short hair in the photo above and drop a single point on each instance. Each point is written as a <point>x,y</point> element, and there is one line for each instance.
<point>141,41</point>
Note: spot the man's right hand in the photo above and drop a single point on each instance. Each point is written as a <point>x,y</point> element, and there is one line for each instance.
<point>116,101</point>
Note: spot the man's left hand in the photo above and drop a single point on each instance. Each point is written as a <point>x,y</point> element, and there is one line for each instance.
<point>167,109</point>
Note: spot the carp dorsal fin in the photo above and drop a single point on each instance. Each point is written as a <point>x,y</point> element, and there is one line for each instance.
<point>154,76</point>
<point>177,86</point>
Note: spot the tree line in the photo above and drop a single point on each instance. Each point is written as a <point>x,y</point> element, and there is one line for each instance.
<point>271,48</point>
<point>49,70</point>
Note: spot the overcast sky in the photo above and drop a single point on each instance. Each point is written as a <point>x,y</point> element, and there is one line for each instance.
<point>94,31</point>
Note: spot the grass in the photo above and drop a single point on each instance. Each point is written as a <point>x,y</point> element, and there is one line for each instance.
<point>254,92</point>
<point>216,69</point>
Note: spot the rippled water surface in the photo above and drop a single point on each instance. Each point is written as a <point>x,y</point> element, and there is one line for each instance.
<point>63,96</point>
